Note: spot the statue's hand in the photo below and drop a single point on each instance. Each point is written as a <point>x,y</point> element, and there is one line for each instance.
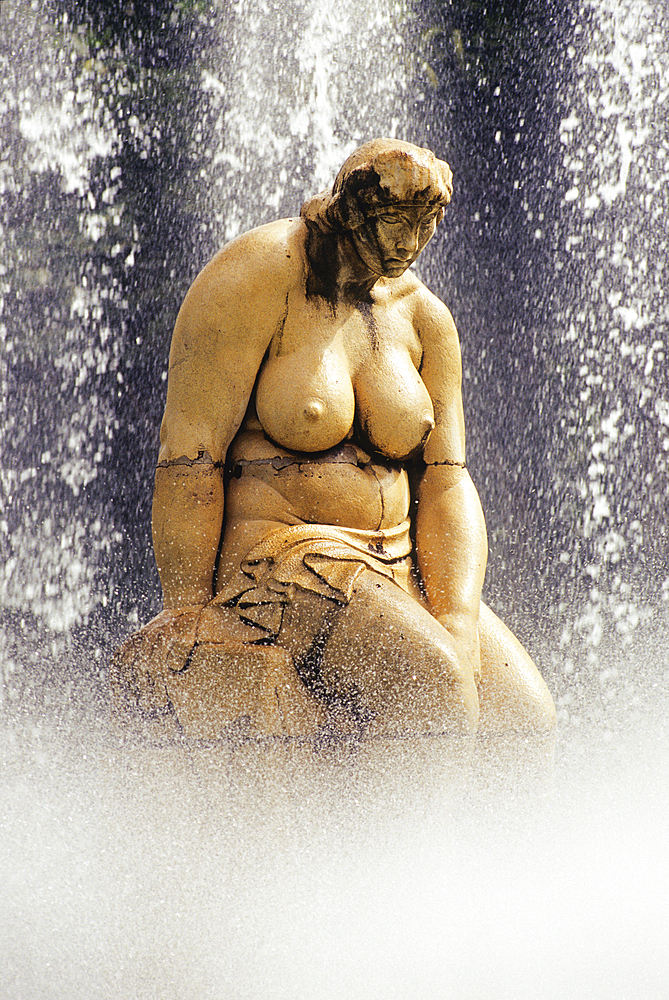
<point>465,638</point>
<point>170,638</point>
<point>173,624</point>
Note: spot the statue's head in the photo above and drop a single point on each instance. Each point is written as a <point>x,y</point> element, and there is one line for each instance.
<point>381,175</point>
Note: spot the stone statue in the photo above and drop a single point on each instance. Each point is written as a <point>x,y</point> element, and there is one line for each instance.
<point>320,544</point>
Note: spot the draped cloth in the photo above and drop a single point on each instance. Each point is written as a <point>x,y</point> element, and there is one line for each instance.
<point>321,558</point>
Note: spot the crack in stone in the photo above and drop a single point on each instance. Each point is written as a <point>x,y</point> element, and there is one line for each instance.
<point>447,461</point>
<point>203,458</point>
<point>343,456</point>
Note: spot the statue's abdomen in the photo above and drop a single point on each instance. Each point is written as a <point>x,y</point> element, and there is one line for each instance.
<point>344,486</point>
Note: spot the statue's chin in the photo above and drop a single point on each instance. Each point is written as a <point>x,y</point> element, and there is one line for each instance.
<point>395,268</point>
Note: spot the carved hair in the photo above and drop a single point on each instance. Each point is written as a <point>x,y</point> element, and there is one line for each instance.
<point>381,174</point>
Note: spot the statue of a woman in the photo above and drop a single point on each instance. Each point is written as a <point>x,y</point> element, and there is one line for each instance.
<point>320,543</point>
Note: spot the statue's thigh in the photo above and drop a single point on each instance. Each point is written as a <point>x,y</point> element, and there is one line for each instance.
<point>512,693</point>
<point>387,656</point>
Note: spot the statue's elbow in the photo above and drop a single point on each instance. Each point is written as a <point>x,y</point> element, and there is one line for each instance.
<point>188,442</point>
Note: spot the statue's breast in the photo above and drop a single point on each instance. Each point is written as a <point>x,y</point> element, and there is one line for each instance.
<point>304,391</point>
<point>324,371</point>
<point>394,409</point>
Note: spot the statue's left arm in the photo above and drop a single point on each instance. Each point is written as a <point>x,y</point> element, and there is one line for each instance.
<point>451,541</point>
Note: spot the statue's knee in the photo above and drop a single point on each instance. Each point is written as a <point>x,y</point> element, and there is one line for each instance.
<point>465,689</point>
<point>449,693</point>
<point>544,714</point>
<point>515,700</point>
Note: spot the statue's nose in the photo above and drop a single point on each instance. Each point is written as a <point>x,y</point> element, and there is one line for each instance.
<point>408,241</point>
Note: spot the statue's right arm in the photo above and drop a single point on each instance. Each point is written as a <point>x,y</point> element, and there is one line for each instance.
<point>222,331</point>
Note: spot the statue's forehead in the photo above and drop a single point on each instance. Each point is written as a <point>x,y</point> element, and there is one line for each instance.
<point>409,210</point>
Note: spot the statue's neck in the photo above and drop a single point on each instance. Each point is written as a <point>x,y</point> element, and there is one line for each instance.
<point>335,271</point>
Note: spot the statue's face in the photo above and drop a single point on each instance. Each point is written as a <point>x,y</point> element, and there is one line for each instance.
<point>391,241</point>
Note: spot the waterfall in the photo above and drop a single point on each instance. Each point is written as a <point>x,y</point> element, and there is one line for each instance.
<point>613,334</point>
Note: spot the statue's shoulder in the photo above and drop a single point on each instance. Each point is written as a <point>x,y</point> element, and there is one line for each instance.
<point>432,318</point>
<point>265,259</point>
<point>239,296</point>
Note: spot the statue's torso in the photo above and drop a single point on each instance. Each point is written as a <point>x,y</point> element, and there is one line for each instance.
<point>340,399</point>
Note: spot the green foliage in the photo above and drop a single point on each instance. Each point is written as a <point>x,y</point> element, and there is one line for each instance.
<point>482,42</point>
<point>154,30</point>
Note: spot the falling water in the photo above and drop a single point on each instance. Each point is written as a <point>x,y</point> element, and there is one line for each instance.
<point>614,334</point>
<point>127,157</point>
